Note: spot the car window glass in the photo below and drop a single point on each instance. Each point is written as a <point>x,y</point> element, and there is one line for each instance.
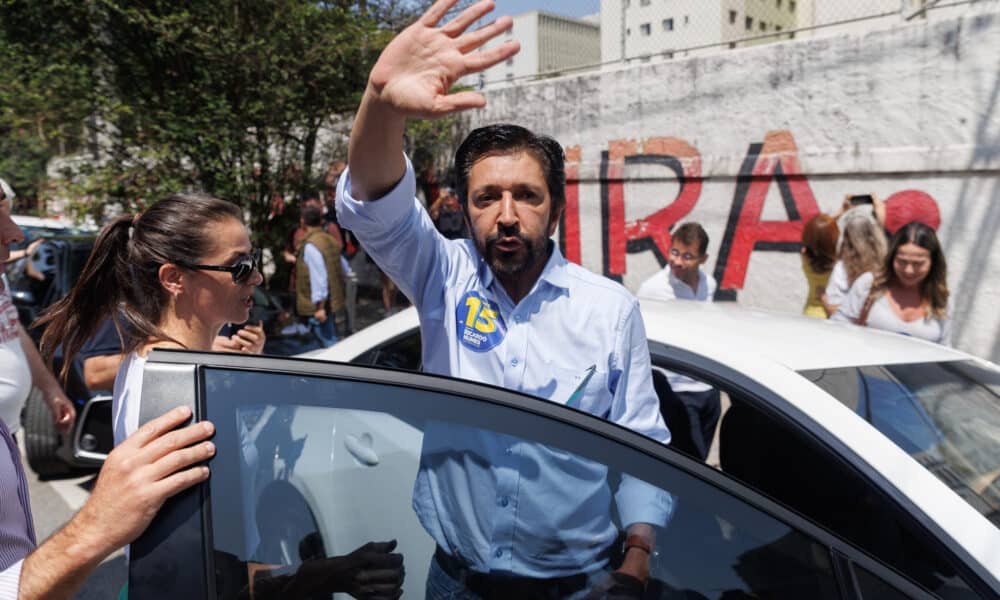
<point>400,353</point>
<point>767,453</point>
<point>310,468</point>
<point>873,587</point>
<point>946,415</point>
<point>692,407</point>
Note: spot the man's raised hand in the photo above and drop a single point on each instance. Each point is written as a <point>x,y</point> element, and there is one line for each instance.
<point>416,70</point>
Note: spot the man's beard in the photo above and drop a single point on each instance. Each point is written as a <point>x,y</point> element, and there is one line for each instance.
<point>506,263</point>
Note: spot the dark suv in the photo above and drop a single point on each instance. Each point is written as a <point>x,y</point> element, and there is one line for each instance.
<point>60,259</point>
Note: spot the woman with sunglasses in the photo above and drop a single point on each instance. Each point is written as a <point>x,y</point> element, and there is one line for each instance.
<point>171,277</point>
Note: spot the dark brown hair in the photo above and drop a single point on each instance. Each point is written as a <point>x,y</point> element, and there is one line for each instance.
<point>121,277</point>
<point>934,287</point>
<point>819,240</point>
<point>692,233</point>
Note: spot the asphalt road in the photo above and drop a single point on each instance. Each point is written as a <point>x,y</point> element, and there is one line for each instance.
<point>53,503</point>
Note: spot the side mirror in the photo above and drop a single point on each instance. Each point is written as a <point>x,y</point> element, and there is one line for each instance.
<point>94,437</point>
<point>22,297</point>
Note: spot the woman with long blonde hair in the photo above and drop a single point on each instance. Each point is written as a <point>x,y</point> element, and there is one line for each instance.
<point>909,294</point>
<point>862,250</point>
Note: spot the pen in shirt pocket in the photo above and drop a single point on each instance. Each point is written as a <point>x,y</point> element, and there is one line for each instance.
<point>575,396</point>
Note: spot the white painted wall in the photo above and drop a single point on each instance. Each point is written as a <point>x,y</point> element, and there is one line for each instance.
<point>916,107</point>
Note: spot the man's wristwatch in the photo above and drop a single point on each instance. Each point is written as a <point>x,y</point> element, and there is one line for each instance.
<point>637,541</point>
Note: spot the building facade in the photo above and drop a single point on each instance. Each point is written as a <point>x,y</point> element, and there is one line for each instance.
<point>550,45</point>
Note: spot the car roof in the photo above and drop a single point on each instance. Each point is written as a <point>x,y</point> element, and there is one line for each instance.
<point>719,329</point>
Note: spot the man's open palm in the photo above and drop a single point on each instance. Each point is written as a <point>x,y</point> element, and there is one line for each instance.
<point>417,69</point>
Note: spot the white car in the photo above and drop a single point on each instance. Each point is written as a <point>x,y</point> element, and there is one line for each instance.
<point>852,463</point>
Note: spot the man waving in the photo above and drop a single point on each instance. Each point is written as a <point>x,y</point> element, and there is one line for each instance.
<point>503,308</point>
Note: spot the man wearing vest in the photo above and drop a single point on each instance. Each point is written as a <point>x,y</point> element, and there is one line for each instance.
<point>319,286</point>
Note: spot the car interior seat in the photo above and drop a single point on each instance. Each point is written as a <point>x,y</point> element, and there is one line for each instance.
<point>675,416</point>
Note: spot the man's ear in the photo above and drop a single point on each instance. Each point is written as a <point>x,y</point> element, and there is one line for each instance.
<point>703,259</point>
<point>554,220</point>
<point>172,279</point>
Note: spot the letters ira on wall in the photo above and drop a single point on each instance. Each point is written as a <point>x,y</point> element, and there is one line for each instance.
<point>775,161</point>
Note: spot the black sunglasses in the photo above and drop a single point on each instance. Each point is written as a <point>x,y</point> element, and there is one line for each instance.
<point>241,270</point>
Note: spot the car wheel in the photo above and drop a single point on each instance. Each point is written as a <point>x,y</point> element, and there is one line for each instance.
<point>41,439</point>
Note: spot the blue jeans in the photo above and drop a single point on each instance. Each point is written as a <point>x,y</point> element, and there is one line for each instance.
<point>324,332</point>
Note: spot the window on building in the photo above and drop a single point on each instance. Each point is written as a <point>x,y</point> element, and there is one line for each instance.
<point>749,23</point>
<point>668,24</point>
<point>510,62</point>
<point>791,5</point>
<point>687,19</point>
<point>628,31</point>
<point>763,26</point>
<point>778,3</point>
<point>733,15</point>
<point>645,29</point>
<point>777,27</point>
<point>644,2</point>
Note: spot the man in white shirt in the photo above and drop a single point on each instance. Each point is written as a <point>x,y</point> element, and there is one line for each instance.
<point>683,279</point>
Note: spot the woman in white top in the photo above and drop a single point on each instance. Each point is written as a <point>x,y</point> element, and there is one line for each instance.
<point>171,277</point>
<point>909,294</point>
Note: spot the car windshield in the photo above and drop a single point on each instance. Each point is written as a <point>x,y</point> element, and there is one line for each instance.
<point>945,414</point>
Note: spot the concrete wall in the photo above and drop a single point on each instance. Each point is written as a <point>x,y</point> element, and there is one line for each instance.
<point>753,142</point>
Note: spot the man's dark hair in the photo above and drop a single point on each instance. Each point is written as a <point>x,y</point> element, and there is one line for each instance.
<point>312,214</point>
<point>690,233</point>
<point>507,139</point>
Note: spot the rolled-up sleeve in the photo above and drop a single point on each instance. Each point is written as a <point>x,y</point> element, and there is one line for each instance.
<point>10,581</point>
<point>398,234</point>
<point>636,406</point>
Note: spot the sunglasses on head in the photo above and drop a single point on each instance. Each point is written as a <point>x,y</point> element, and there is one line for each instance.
<point>240,270</point>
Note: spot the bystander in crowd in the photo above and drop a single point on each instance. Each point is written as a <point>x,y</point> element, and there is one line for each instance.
<point>908,294</point>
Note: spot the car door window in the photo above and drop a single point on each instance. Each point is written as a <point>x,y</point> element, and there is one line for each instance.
<point>314,466</point>
<point>402,352</point>
<point>767,451</point>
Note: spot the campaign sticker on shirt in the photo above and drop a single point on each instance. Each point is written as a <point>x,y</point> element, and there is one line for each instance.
<point>480,326</point>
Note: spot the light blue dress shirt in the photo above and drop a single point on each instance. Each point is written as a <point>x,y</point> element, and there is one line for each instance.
<point>497,502</point>
<point>318,288</point>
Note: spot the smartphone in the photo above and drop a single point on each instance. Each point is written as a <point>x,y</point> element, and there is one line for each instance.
<point>860,199</point>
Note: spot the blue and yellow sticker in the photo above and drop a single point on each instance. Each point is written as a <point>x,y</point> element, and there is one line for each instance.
<point>479,324</point>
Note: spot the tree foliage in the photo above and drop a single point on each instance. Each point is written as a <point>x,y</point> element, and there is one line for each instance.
<point>131,100</point>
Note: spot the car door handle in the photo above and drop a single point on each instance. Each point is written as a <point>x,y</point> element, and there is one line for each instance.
<point>361,449</point>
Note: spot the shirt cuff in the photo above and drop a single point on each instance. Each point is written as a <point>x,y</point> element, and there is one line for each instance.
<point>10,581</point>
<point>379,215</point>
<point>640,502</point>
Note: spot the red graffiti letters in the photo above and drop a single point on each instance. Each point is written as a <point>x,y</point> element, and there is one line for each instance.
<point>653,231</point>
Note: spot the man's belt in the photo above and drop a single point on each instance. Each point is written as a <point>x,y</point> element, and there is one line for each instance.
<point>487,585</point>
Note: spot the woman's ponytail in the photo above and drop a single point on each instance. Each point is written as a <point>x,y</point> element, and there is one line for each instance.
<point>75,318</point>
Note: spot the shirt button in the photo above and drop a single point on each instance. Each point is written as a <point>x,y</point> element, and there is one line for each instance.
<point>508,451</point>
<point>513,362</point>
<point>517,318</point>
<point>504,501</point>
<point>498,553</point>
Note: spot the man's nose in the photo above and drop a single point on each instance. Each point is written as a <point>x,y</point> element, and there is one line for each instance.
<point>508,210</point>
